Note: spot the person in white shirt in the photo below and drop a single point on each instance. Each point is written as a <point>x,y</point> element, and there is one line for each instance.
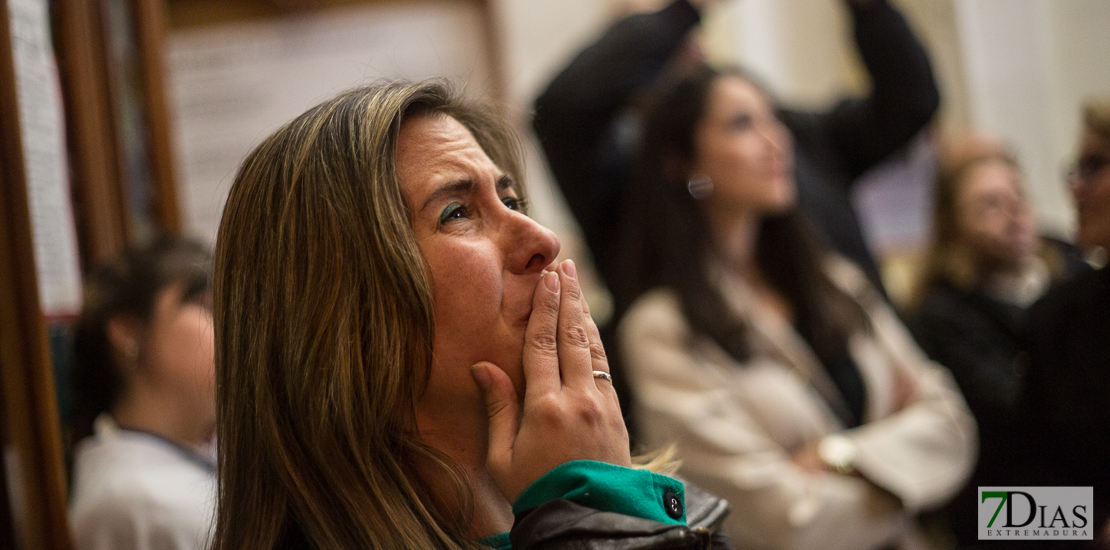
<point>144,472</point>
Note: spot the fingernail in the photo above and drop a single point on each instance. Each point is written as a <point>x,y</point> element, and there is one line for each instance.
<point>569,269</point>
<point>481,376</point>
<point>552,282</point>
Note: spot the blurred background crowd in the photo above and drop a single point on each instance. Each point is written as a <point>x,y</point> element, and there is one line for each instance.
<point>846,256</point>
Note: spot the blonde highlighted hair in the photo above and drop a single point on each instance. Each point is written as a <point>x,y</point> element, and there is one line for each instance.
<point>948,258</point>
<point>323,318</point>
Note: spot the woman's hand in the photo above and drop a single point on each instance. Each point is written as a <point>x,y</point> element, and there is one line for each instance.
<point>905,387</point>
<point>809,461</point>
<point>567,414</point>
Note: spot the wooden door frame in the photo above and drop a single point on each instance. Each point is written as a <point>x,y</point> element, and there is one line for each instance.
<point>151,24</point>
<point>100,202</point>
<point>26,375</point>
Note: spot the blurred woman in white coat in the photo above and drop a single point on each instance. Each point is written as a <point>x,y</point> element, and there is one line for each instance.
<point>783,377</point>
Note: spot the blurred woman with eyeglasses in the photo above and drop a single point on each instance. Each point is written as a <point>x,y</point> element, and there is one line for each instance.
<point>1064,410</point>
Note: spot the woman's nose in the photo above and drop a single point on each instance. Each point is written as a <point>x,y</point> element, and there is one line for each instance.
<point>1018,209</point>
<point>775,133</point>
<point>531,246</point>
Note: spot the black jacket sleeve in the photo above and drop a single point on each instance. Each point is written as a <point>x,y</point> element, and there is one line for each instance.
<point>576,113</point>
<point>903,99</point>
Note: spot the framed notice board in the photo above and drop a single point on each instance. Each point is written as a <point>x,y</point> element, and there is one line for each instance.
<point>238,71</point>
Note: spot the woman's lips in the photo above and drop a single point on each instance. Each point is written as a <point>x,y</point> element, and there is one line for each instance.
<point>521,311</point>
<point>524,305</point>
<point>779,168</point>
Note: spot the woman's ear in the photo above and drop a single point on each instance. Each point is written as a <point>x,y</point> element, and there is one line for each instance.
<point>123,334</point>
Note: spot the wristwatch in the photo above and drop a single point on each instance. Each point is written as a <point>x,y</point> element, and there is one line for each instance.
<point>839,453</point>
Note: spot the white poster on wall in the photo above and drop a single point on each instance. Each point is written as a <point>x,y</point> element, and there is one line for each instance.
<point>44,157</point>
<point>231,85</point>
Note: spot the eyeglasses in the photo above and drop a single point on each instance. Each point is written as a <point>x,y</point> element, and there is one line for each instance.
<point>1086,168</point>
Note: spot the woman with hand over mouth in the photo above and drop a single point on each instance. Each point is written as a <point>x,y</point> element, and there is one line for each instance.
<point>401,363</point>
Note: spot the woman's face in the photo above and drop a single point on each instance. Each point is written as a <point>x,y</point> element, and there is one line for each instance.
<point>1092,194</point>
<point>485,256</point>
<point>179,352</point>
<point>993,216</point>
<point>742,147</point>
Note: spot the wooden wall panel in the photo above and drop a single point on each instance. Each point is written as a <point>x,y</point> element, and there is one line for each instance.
<point>26,377</point>
<point>99,201</point>
<point>150,29</point>
<point>199,13</point>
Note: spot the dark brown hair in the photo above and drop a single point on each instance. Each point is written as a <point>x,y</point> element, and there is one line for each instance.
<point>671,243</point>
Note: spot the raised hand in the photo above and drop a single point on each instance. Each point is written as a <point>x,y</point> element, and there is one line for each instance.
<point>567,413</point>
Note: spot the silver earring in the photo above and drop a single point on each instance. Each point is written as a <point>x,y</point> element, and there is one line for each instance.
<point>700,187</point>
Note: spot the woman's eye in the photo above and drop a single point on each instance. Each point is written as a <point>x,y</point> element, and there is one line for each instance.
<point>741,122</point>
<point>513,203</point>
<point>453,212</point>
<point>992,203</point>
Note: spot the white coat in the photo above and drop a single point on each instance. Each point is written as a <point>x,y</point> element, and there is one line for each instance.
<point>736,425</point>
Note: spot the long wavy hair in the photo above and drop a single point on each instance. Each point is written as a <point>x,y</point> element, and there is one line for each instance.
<point>671,243</point>
<point>324,326</point>
<point>948,258</point>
